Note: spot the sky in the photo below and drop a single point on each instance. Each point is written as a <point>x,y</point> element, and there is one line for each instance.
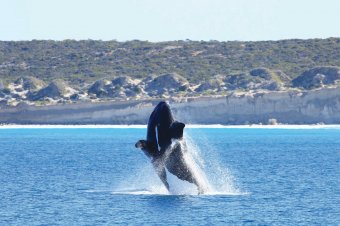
<point>165,20</point>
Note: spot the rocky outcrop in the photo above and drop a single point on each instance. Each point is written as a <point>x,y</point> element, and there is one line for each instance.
<point>215,84</point>
<point>249,82</point>
<point>30,83</point>
<point>119,87</point>
<point>124,86</point>
<point>317,77</point>
<point>269,74</point>
<point>56,89</point>
<point>30,90</point>
<point>166,84</point>
<point>98,88</point>
<point>262,73</point>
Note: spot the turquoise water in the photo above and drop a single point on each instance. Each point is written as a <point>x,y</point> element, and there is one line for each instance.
<point>96,176</point>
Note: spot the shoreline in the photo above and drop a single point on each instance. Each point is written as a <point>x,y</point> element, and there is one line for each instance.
<point>284,108</point>
<point>190,126</point>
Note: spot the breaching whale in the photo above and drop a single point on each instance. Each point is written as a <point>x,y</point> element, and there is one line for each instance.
<point>163,150</point>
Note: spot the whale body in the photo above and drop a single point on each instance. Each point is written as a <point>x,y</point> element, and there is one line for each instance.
<point>165,146</point>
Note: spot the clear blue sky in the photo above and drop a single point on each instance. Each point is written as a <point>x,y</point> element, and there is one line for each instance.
<point>160,20</point>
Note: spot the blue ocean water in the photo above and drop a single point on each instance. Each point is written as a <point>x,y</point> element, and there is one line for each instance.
<point>97,177</point>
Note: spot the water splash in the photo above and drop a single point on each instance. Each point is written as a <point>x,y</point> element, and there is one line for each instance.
<point>211,175</point>
<point>194,163</point>
<point>143,181</point>
<point>216,177</point>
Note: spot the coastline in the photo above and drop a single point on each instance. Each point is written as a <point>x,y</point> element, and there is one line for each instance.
<point>190,126</point>
<point>315,107</point>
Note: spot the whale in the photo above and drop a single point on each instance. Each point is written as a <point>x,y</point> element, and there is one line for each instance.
<point>165,146</point>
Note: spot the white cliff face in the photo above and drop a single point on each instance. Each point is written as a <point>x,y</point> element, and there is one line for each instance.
<point>292,107</point>
<point>287,107</point>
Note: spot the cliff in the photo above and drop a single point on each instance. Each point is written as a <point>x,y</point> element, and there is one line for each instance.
<point>291,107</point>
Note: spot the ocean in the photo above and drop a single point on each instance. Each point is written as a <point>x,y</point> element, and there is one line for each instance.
<point>95,176</point>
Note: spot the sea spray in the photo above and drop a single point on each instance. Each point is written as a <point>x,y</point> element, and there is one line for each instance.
<point>194,163</point>
<point>217,176</point>
<point>200,157</point>
<point>141,182</point>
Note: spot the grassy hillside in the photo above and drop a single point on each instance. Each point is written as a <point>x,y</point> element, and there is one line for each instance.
<point>82,62</point>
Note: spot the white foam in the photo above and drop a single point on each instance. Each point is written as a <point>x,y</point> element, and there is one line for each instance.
<point>195,163</point>
<point>143,181</point>
<point>211,175</point>
<point>218,178</point>
<point>185,192</point>
<point>139,192</point>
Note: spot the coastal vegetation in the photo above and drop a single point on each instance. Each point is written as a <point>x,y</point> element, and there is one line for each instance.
<point>46,71</point>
